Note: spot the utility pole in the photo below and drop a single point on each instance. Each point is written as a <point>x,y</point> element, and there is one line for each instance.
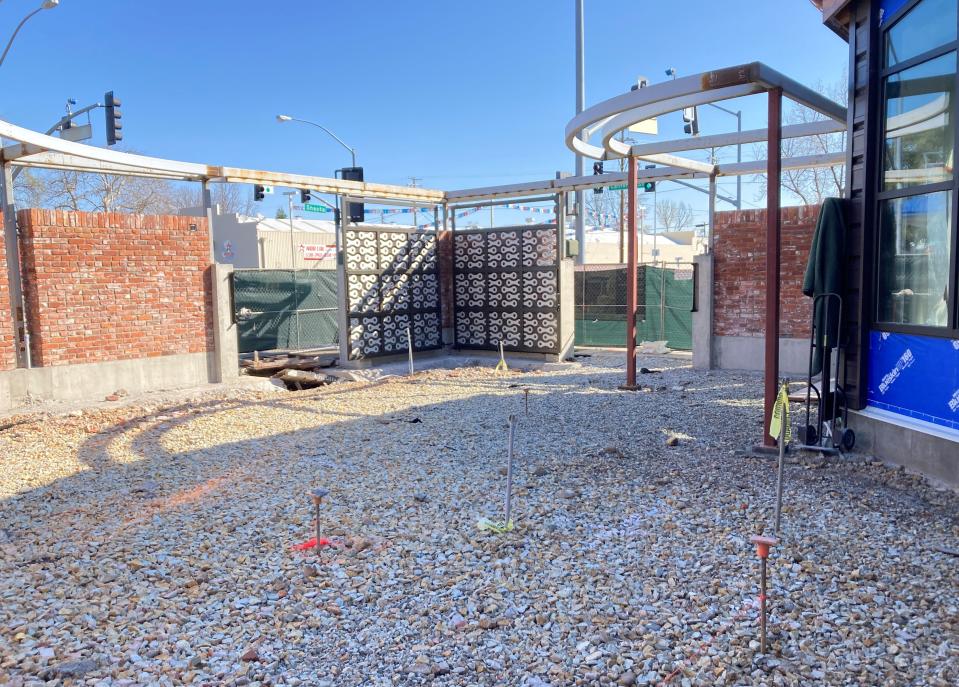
<point>580,106</point>
<point>413,182</point>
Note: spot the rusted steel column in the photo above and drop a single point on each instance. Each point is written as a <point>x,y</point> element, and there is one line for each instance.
<point>631,276</point>
<point>773,228</point>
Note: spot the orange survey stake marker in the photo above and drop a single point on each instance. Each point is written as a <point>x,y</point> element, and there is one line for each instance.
<point>763,544</point>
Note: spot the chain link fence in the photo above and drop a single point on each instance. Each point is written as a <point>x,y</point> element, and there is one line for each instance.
<point>665,302</point>
<point>285,309</point>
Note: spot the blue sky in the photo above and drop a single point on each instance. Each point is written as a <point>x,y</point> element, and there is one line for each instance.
<point>457,93</point>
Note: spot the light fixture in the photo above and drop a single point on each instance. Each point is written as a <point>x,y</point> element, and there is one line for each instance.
<point>284,118</point>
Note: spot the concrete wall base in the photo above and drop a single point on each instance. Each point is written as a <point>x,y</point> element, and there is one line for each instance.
<point>94,381</point>
<point>747,353</point>
<point>920,446</point>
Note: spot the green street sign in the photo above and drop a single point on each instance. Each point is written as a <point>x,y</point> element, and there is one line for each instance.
<point>617,187</point>
<point>314,207</point>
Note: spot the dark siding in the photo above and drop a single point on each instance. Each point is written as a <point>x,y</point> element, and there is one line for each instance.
<point>860,185</point>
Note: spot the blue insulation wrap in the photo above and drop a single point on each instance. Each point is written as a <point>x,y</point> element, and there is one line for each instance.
<point>916,376</point>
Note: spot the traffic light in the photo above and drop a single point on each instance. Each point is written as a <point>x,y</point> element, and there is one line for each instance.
<point>304,196</point>
<point>691,121</point>
<point>113,115</point>
<point>649,186</point>
<point>598,169</point>
<point>259,192</point>
<point>355,211</point>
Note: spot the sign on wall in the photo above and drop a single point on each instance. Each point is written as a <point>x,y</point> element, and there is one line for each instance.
<point>315,251</point>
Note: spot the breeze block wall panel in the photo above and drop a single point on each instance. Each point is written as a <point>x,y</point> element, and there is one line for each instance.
<point>739,282</point>
<point>111,286</point>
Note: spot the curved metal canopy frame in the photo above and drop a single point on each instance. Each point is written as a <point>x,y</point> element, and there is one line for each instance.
<point>612,116</point>
<point>616,114</point>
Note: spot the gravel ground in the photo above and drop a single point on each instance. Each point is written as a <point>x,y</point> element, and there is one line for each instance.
<point>151,544</point>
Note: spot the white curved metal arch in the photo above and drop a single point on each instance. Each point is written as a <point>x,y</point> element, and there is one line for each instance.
<point>616,114</point>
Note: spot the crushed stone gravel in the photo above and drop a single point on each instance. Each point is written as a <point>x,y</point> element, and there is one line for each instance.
<point>152,543</point>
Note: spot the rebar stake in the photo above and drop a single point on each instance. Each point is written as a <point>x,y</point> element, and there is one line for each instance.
<point>763,544</point>
<point>781,440</point>
<point>317,495</point>
<point>409,345</point>
<point>526,394</point>
<point>509,470</point>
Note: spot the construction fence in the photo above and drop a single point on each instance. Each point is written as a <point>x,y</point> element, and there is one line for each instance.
<point>665,303</point>
<point>285,309</point>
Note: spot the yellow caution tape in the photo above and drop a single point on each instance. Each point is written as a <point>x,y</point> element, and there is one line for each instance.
<point>487,525</point>
<point>780,415</point>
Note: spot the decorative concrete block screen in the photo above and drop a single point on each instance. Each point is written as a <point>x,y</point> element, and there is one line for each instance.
<point>392,284</point>
<point>506,286</point>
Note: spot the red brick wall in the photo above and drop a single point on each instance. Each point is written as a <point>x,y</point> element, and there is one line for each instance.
<point>107,286</point>
<point>739,272</point>
<point>8,350</point>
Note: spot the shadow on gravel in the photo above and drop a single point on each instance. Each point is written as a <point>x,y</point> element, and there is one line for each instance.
<point>197,500</point>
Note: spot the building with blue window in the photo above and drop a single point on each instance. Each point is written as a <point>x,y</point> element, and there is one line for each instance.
<point>901,370</point>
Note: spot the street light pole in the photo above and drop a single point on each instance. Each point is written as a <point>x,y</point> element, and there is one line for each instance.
<point>45,5</point>
<point>580,106</point>
<point>287,118</point>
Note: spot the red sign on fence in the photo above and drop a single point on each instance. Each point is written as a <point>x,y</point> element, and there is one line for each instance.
<point>316,251</point>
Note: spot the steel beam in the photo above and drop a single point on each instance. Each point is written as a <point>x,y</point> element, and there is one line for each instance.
<point>820,128</point>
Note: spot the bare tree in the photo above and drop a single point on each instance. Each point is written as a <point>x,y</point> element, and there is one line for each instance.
<point>80,191</point>
<point>673,215</point>
<point>231,198</point>
<point>811,185</point>
<point>602,209</point>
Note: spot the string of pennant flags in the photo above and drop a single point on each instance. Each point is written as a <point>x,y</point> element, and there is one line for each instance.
<point>599,217</point>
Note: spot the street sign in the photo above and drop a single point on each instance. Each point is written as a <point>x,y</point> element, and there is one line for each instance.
<point>77,133</point>
<point>315,207</point>
<point>647,126</point>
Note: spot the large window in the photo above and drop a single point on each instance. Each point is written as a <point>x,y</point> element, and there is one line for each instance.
<point>916,239</point>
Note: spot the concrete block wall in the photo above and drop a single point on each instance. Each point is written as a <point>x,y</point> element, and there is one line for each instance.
<point>108,286</point>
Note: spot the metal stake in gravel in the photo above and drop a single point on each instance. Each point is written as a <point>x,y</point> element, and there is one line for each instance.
<point>317,495</point>
<point>409,345</point>
<point>780,430</point>
<point>526,394</point>
<point>509,470</point>
<point>763,544</point>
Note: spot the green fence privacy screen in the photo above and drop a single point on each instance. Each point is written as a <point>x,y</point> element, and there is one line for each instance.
<point>285,309</point>
<point>664,305</point>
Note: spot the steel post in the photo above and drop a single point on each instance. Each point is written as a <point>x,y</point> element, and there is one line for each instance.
<point>296,309</point>
<point>11,239</point>
<point>206,198</point>
<point>712,213</point>
<point>773,230</point>
<point>580,106</point>
<point>631,294</point>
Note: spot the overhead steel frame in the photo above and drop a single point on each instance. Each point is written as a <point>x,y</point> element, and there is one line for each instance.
<point>36,150</point>
<point>607,119</point>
